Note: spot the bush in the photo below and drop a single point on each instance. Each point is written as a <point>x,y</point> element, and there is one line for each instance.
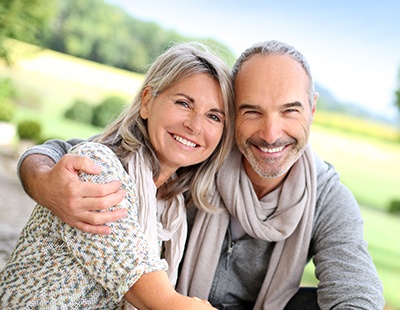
<point>7,110</point>
<point>107,111</point>
<point>80,111</point>
<point>29,130</point>
<point>394,206</point>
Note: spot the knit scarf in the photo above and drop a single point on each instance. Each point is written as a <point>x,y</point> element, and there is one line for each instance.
<point>160,220</point>
<point>284,216</point>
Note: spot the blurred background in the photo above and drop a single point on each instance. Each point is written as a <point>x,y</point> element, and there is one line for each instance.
<point>68,67</point>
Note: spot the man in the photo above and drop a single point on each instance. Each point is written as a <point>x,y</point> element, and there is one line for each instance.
<point>281,205</point>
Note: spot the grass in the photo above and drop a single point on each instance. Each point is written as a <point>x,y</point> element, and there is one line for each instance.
<point>48,83</point>
<point>366,165</point>
<point>382,232</point>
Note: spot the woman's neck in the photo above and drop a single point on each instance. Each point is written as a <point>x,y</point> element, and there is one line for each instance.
<point>162,178</point>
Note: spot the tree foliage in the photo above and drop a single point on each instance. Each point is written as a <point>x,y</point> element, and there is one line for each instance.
<point>102,32</point>
<point>90,29</point>
<point>23,20</point>
<point>397,92</point>
<point>398,98</point>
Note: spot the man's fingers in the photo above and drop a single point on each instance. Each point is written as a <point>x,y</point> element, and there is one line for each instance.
<point>94,190</point>
<point>80,163</point>
<point>95,200</point>
<point>93,222</point>
<point>93,229</point>
<point>100,218</point>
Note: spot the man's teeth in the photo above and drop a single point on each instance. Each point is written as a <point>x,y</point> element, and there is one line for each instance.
<point>184,141</point>
<point>273,150</point>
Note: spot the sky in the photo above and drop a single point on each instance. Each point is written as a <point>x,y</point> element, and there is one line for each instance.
<point>353,47</point>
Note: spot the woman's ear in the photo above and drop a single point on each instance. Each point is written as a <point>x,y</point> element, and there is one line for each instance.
<point>146,100</point>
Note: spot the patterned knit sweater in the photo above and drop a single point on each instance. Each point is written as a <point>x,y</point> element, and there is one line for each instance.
<point>55,266</point>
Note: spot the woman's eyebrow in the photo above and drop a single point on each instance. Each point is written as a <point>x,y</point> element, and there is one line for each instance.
<point>193,101</point>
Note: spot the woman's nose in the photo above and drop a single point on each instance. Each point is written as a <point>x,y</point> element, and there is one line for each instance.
<point>194,123</point>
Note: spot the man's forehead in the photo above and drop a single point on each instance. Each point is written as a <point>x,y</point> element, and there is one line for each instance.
<point>260,64</point>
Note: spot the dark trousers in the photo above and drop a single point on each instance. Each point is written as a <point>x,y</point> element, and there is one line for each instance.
<point>304,299</point>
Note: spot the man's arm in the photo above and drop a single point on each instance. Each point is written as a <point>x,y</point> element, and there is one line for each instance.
<point>347,275</point>
<point>57,187</point>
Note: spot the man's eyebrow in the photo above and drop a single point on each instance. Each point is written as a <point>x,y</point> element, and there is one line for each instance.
<point>249,106</point>
<point>295,104</point>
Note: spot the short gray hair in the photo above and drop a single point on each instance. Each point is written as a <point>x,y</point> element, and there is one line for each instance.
<point>274,47</point>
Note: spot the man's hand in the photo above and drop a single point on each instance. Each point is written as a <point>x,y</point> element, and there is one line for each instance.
<point>58,188</point>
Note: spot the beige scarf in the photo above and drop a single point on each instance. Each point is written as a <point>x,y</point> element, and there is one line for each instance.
<point>284,216</point>
<point>160,220</point>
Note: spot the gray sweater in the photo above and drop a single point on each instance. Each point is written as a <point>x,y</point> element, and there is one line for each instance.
<point>347,276</point>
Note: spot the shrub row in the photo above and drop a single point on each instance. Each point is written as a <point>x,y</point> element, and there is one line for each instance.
<point>29,130</point>
<point>394,207</point>
<point>99,115</point>
<point>357,125</point>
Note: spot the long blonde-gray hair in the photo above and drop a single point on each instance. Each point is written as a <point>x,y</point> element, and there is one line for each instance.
<point>129,132</point>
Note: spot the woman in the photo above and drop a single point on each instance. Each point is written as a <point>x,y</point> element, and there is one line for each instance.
<point>171,140</point>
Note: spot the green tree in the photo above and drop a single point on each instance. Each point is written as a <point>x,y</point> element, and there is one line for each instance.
<point>102,32</point>
<point>23,20</point>
<point>397,92</point>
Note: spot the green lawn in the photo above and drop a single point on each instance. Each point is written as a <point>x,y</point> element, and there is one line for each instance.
<point>369,167</point>
<point>382,232</point>
<point>48,83</point>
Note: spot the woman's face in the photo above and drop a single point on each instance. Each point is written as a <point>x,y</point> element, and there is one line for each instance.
<point>185,122</point>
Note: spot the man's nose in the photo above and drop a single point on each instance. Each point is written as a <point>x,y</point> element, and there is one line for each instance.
<point>271,129</point>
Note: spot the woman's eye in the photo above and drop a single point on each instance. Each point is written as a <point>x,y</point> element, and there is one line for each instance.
<point>215,117</point>
<point>182,103</point>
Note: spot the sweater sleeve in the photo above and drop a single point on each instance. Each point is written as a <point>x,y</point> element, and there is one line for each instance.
<point>115,261</point>
<point>54,149</point>
<point>347,275</point>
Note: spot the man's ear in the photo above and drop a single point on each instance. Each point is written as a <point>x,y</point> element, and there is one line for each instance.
<point>146,100</point>
<point>314,104</point>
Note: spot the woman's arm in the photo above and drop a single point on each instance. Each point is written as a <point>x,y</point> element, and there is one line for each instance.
<point>154,291</point>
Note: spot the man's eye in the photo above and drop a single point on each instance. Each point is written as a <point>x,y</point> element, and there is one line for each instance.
<point>291,110</point>
<point>251,112</point>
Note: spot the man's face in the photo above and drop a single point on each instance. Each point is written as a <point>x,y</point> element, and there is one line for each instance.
<point>273,114</point>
